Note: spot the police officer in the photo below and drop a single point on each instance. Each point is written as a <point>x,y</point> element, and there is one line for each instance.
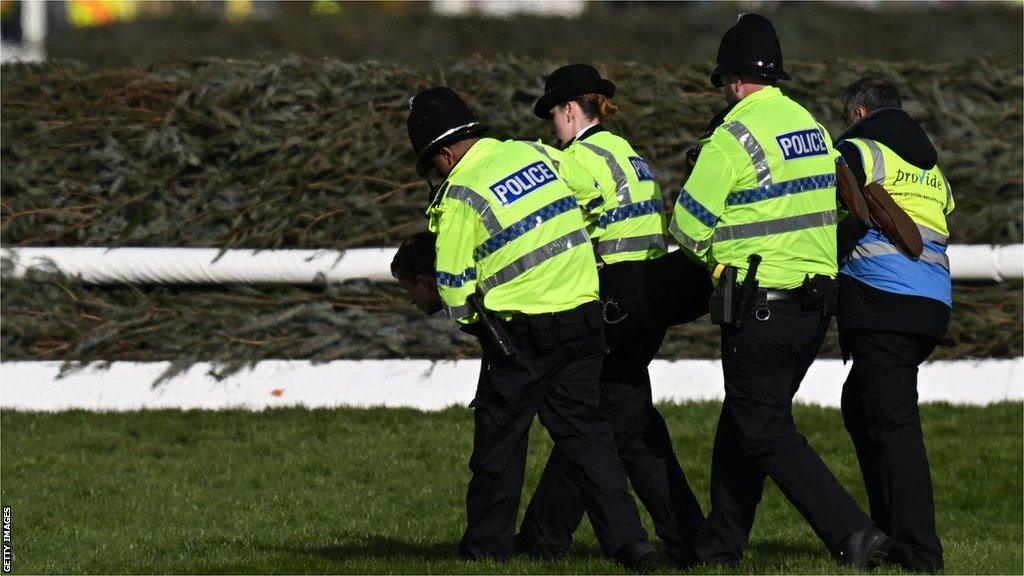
<point>511,230</point>
<point>894,310</point>
<point>764,184</point>
<point>630,233</point>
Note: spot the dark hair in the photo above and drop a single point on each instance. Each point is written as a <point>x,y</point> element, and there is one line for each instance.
<point>871,92</point>
<point>596,106</point>
<point>415,256</point>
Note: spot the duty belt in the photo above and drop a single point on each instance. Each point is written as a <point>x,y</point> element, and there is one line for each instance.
<point>773,295</point>
<point>547,329</point>
<point>770,295</point>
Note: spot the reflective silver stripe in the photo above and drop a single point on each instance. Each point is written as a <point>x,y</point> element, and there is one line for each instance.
<point>949,193</point>
<point>632,244</point>
<point>621,184</point>
<point>778,226</point>
<point>535,257</point>
<point>447,132</point>
<point>933,235</point>
<point>540,148</point>
<point>684,240</point>
<point>935,258</point>
<point>754,150</point>
<point>927,234</point>
<point>456,312</point>
<point>478,203</point>
<point>877,162</point>
<point>884,248</point>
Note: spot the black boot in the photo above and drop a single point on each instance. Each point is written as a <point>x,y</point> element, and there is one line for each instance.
<point>864,549</point>
<point>639,557</point>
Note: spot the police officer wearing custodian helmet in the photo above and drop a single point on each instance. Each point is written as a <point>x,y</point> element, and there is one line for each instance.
<point>630,233</point>
<point>759,208</point>
<point>510,228</point>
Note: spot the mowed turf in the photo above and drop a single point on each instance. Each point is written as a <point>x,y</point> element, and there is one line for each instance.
<point>381,491</point>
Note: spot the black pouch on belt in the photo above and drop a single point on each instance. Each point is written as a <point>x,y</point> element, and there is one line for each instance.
<point>724,299</point>
<point>542,332</point>
<point>819,292</point>
<point>578,322</point>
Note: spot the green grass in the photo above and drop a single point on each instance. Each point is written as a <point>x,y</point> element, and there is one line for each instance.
<point>381,491</point>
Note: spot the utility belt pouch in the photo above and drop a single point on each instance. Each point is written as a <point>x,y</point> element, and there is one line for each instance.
<point>579,322</point>
<point>819,292</point>
<point>542,332</point>
<point>724,299</point>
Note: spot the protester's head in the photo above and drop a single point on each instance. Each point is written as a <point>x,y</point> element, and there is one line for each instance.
<point>867,95</point>
<point>413,267</point>
<point>442,129</point>
<point>575,97</point>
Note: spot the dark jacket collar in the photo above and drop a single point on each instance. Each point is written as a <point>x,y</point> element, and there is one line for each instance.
<point>587,134</point>
<point>896,129</point>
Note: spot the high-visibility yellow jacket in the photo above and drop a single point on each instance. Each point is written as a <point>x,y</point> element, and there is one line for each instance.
<point>511,224</point>
<point>633,224</point>
<point>764,184</point>
<point>925,195</point>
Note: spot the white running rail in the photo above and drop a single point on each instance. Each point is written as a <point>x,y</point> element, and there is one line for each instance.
<point>979,262</point>
<point>425,384</point>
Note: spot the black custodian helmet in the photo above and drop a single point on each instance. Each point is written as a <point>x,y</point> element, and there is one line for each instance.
<point>439,117</point>
<point>569,82</point>
<point>750,47</point>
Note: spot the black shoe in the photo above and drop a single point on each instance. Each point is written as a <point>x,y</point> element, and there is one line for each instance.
<point>639,557</point>
<point>865,549</point>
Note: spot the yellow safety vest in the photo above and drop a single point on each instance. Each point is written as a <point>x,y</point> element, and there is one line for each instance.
<point>764,184</point>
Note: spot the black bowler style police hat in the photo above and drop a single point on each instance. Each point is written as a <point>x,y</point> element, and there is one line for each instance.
<point>570,82</point>
<point>749,47</point>
<point>437,118</point>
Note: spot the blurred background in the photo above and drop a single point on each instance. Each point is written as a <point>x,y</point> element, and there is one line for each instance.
<point>245,124</point>
<point>136,32</point>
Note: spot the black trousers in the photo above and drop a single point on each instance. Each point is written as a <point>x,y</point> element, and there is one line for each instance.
<point>643,444</point>
<point>881,413</point>
<point>764,363</point>
<point>559,382</point>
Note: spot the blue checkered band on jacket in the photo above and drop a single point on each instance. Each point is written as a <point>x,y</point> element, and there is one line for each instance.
<point>629,211</point>
<point>510,233</point>
<point>595,203</point>
<point>782,189</point>
<point>456,280</point>
<point>696,209</point>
